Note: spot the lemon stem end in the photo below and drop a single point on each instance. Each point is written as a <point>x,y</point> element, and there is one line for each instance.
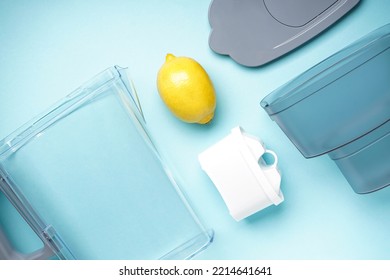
<point>169,57</point>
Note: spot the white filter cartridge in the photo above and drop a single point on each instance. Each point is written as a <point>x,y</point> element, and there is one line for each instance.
<point>246,182</point>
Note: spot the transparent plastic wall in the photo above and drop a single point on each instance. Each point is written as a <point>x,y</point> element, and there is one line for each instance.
<point>87,175</point>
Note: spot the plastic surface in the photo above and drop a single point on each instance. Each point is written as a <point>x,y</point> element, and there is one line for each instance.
<point>339,99</point>
<point>7,252</point>
<point>365,162</point>
<point>341,106</point>
<point>298,12</point>
<point>95,142</point>
<point>245,180</point>
<point>254,32</point>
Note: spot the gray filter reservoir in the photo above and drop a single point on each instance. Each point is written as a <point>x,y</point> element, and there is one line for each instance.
<point>341,106</point>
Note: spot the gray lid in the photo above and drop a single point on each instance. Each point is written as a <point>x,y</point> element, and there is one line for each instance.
<point>255,32</point>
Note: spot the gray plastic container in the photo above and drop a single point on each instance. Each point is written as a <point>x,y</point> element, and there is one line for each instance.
<point>365,162</point>
<point>342,104</point>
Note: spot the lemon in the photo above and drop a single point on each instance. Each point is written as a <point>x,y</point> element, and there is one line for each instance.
<point>186,89</point>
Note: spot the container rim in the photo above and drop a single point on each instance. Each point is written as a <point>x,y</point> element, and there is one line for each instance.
<point>307,83</point>
<point>66,106</point>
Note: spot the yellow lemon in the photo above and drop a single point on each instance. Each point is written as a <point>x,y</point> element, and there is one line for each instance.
<point>186,89</point>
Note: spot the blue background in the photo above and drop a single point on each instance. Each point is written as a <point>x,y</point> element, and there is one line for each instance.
<point>49,48</point>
